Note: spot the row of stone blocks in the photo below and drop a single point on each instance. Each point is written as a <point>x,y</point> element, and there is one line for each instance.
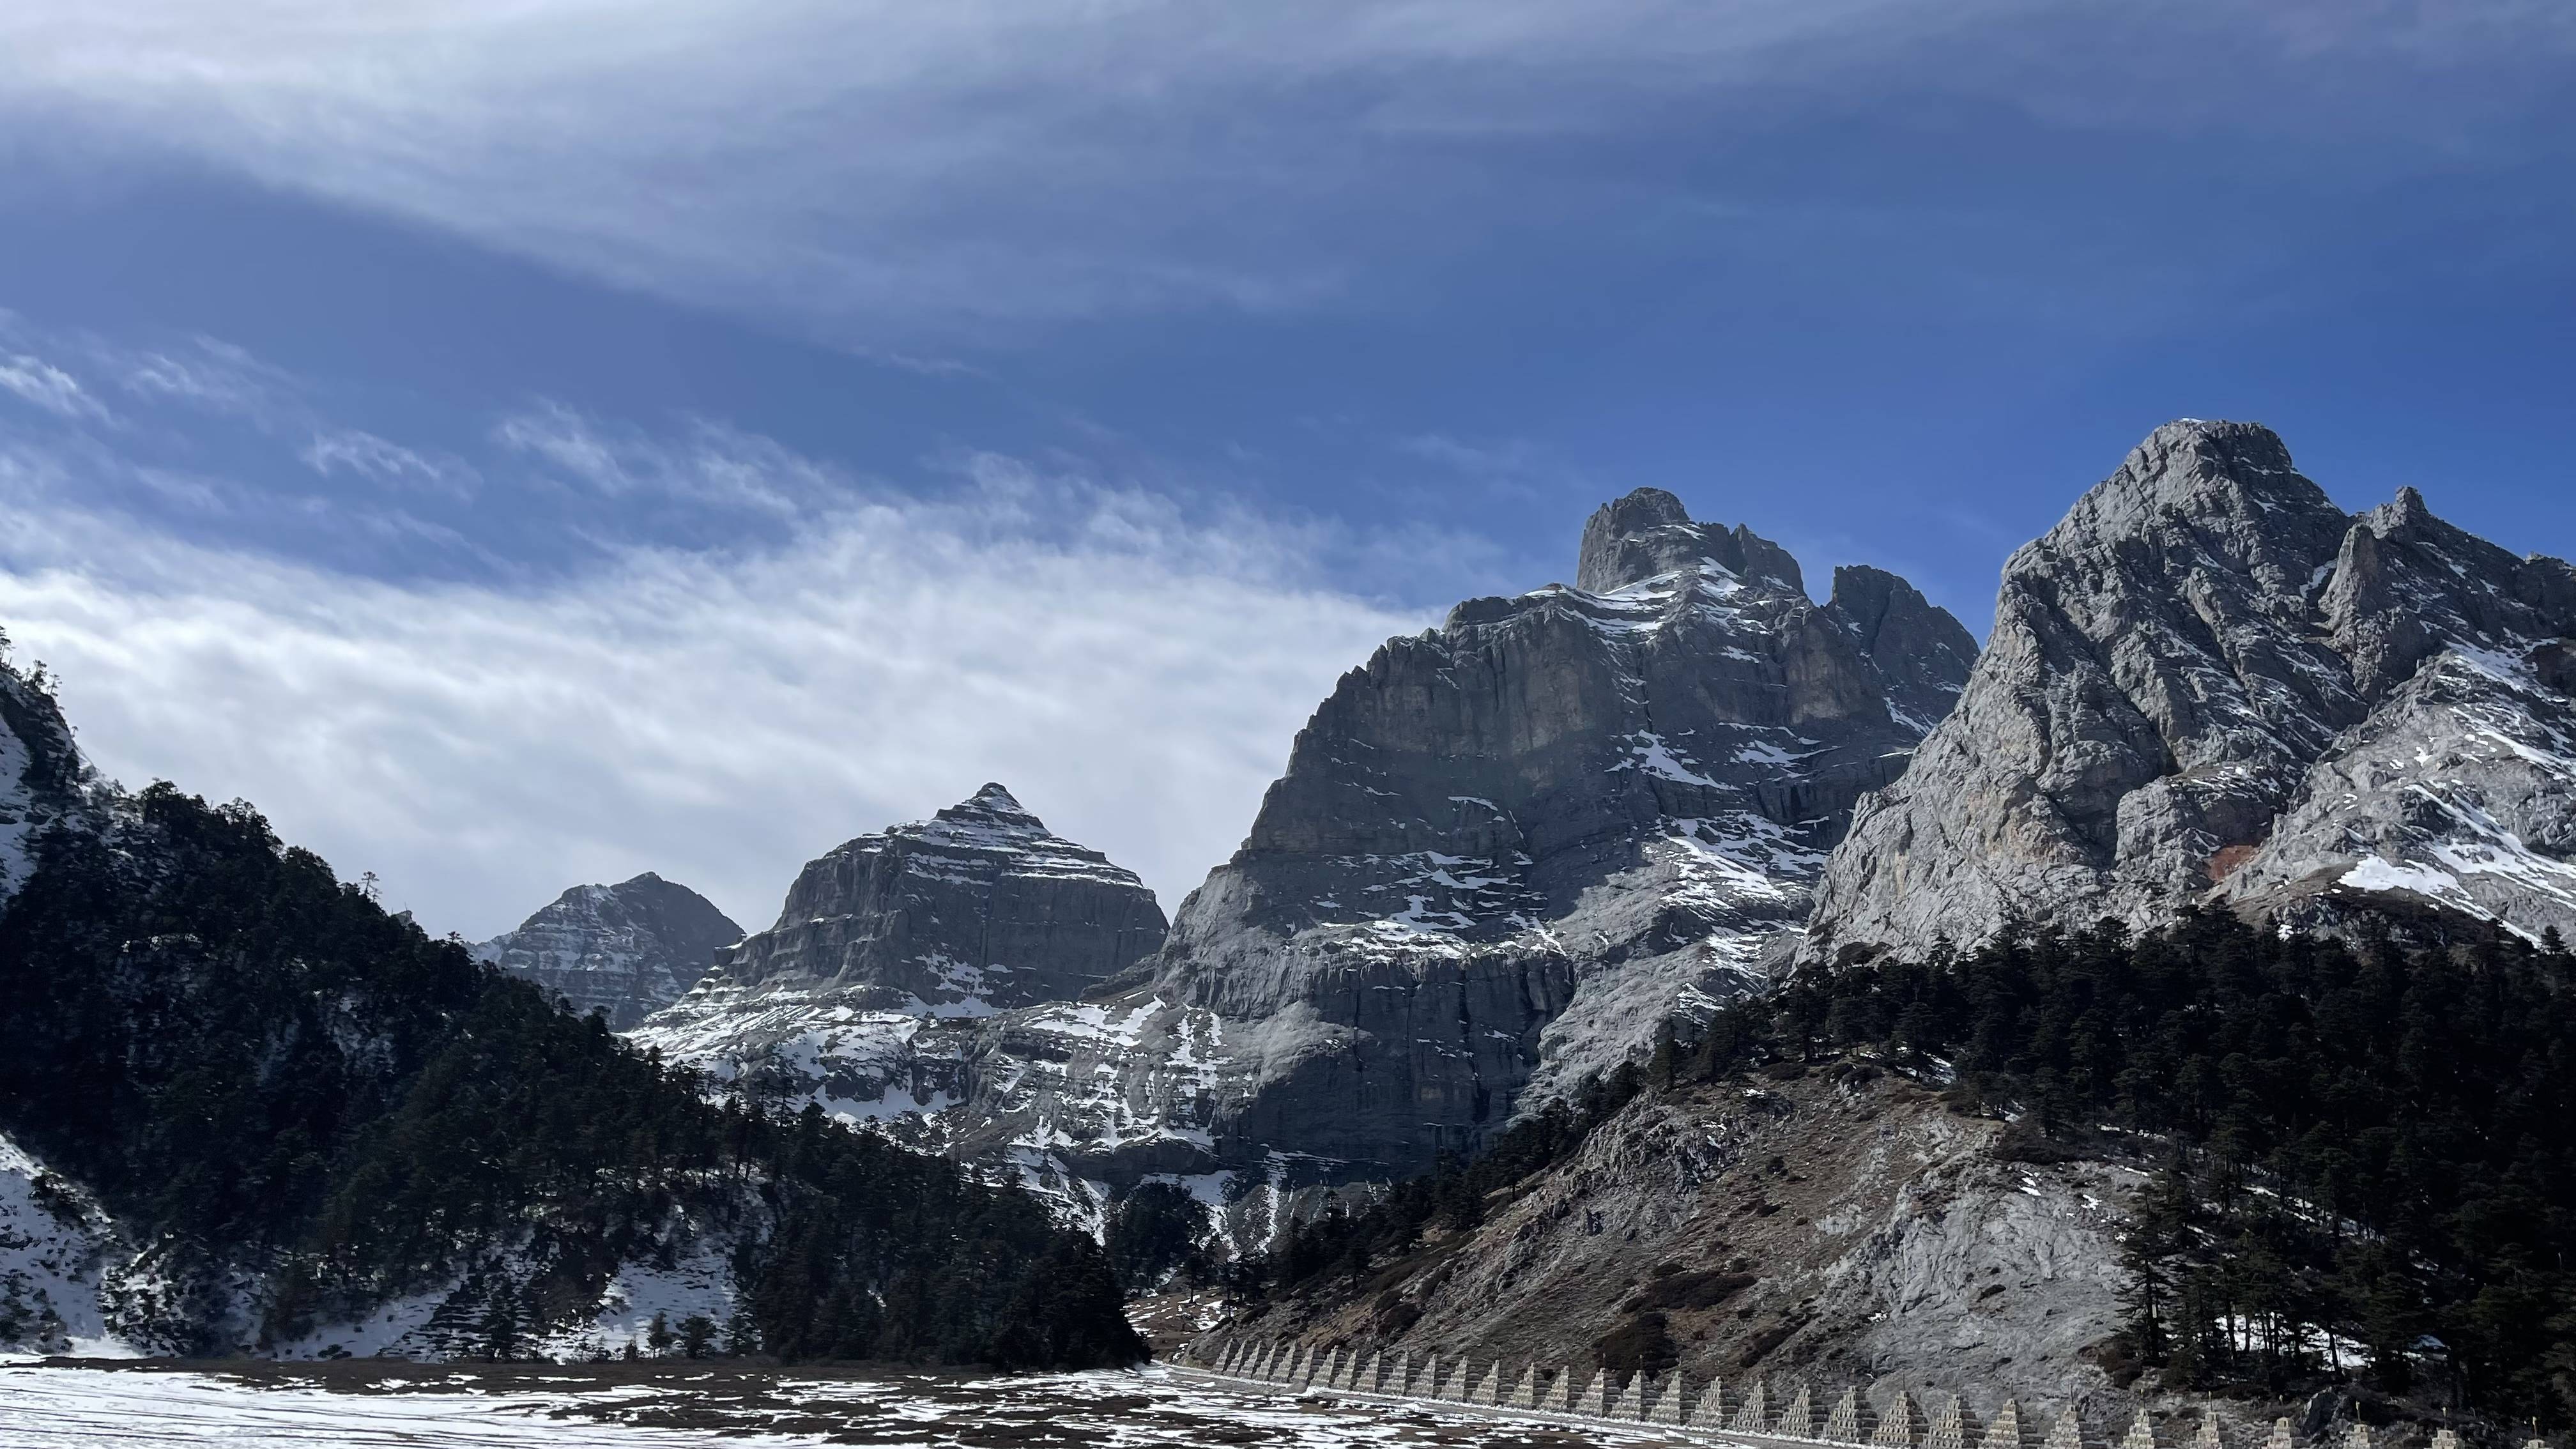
<point>1720,1405</point>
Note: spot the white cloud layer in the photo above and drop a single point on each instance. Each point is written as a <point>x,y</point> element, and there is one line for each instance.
<point>1136,679</point>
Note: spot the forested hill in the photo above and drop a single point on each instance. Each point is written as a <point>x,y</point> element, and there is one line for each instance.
<point>2359,1155</point>
<point>2357,1136</point>
<point>299,1109</point>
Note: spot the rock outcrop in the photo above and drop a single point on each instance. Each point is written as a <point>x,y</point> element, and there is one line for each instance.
<point>2209,684</point>
<point>1505,852</point>
<point>921,928</point>
<point>1849,1230</point>
<point>624,950</point>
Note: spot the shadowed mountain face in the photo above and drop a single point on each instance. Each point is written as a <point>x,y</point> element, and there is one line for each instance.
<point>623,950</point>
<point>2208,684</point>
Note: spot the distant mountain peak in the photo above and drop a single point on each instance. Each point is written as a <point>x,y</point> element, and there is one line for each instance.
<point>978,909</point>
<point>623,950</point>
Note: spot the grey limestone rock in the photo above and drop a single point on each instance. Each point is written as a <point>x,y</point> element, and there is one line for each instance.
<point>622,950</point>
<point>1504,853</point>
<point>2197,690</point>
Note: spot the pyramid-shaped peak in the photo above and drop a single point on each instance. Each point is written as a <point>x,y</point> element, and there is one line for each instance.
<point>992,816</point>
<point>2230,485</point>
<point>2195,459</point>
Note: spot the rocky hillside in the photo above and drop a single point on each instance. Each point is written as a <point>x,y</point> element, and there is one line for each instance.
<point>2210,684</point>
<point>1839,1225</point>
<point>624,950</point>
<point>891,948</point>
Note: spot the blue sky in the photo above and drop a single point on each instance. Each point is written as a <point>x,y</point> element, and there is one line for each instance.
<point>523,443</point>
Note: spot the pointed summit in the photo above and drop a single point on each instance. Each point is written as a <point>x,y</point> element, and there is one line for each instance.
<point>992,818</point>
<point>1631,539</point>
<point>978,908</point>
<point>623,950</point>
<point>997,797</point>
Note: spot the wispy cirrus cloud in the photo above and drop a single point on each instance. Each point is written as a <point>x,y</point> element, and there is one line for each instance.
<point>1134,668</point>
<point>205,372</point>
<point>712,465</point>
<point>895,170</point>
<point>357,451</point>
<point>41,384</point>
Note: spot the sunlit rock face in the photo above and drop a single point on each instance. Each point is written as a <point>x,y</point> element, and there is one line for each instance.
<point>624,950</point>
<point>1505,852</point>
<point>2209,685</point>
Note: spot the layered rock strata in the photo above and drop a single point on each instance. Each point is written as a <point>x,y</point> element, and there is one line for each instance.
<point>891,947</point>
<point>2210,685</point>
<point>624,950</point>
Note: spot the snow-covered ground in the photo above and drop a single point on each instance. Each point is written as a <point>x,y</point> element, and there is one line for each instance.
<point>371,1406</point>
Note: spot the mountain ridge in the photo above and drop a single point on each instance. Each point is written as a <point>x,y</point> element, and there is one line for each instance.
<point>2205,649</point>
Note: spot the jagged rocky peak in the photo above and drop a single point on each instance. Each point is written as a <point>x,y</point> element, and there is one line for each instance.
<point>624,950</point>
<point>1505,850</point>
<point>978,908</point>
<point>2209,683</point>
<point>1648,533</point>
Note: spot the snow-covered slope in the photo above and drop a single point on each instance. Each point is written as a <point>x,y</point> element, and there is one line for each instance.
<point>56,1252</point>
<point>623,950</point>
<point>2210,684</point>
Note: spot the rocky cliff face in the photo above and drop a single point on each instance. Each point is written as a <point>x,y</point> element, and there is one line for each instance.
<point>624,950</point>
<point>890,946</point>
<point>2209,684</point>
<point>1504,852</point>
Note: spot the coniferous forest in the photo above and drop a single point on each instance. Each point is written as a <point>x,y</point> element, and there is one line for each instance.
<point>2362,1154</point>
<point>260,1071</point>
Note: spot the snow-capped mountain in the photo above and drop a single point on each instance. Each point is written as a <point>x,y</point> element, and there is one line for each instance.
<point>2210,685</point>
<point>1503,854</point>
<point>891,948</point>
<point>624,950</point>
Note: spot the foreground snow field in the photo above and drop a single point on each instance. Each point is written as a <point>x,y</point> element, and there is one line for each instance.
<point>364,1406</point>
